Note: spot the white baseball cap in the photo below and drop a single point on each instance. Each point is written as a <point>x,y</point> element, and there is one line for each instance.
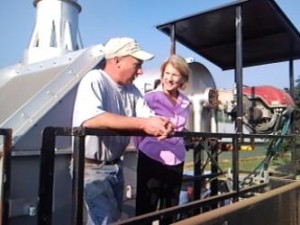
<point>123,46</point>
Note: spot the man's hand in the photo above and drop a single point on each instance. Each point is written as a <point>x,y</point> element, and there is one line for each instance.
<point>158,126</point>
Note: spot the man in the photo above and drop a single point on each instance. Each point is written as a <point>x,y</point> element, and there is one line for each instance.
<point>108,99</point>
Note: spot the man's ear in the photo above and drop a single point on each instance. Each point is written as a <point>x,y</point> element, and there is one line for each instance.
<point>117,59</point>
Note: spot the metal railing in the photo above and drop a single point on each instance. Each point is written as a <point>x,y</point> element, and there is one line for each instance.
<point>6,169</point>
<point>79,133</point>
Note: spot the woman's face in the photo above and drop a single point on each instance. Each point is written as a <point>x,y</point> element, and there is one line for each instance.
<point>171,80</point>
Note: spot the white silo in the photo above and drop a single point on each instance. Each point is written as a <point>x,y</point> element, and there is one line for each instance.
<point>56,30</point>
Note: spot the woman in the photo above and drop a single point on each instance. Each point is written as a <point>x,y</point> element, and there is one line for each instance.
<point>160,162</point>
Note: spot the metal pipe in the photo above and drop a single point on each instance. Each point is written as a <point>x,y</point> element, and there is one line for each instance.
<point>239,68</point>
<point>78,180</point>
<point>6,170</point>
<point>46,177</point>
<point>173,39</point>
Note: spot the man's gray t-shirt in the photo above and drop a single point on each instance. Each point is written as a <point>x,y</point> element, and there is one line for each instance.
<point>98,93</point>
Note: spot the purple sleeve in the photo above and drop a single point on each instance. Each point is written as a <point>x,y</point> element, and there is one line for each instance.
<point>150,99</point>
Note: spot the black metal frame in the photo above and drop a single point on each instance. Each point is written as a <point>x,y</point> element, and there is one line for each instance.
<point>240,46</point>
<point>47,172</point>
<point>6,171</point>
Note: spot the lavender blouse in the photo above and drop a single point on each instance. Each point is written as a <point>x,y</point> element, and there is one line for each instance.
<point>170,151</point>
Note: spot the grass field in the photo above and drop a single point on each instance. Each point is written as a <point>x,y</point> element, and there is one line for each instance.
<point>248,160</point>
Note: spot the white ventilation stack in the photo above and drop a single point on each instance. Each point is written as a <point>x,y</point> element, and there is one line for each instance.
<point>56,30</point>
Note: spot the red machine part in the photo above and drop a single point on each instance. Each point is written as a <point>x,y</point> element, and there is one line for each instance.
<point>273,97</point>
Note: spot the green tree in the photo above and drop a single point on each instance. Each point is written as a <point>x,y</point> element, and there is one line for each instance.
<point>288,144</point>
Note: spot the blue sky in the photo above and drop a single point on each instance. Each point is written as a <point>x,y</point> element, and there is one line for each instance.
<point>99,20</point>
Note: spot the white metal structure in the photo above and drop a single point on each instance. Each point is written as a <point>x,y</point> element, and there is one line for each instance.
<point>56,30</point>
<point>39,92</point>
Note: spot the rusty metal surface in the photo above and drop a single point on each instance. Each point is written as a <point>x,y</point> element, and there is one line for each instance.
<point>276,207</point>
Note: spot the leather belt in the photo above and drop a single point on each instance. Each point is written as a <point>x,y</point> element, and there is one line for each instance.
<point>98,162</point>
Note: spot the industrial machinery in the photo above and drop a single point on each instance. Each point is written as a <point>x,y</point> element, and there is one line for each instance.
<point>266,109</point>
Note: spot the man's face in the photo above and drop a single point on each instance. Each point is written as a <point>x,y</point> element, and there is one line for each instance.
<point>130,68</point>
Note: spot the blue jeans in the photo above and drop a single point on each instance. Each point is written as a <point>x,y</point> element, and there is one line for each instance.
<point>103,190</point>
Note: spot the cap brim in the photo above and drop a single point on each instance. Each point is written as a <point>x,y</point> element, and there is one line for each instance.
<point>142,55</point>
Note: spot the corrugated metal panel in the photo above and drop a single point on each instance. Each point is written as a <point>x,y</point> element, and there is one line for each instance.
<point>28,97</point>
<point>20,89</point>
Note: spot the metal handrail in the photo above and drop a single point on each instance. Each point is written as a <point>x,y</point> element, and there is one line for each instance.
<point>45,200</point>
<point>6,171</point>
